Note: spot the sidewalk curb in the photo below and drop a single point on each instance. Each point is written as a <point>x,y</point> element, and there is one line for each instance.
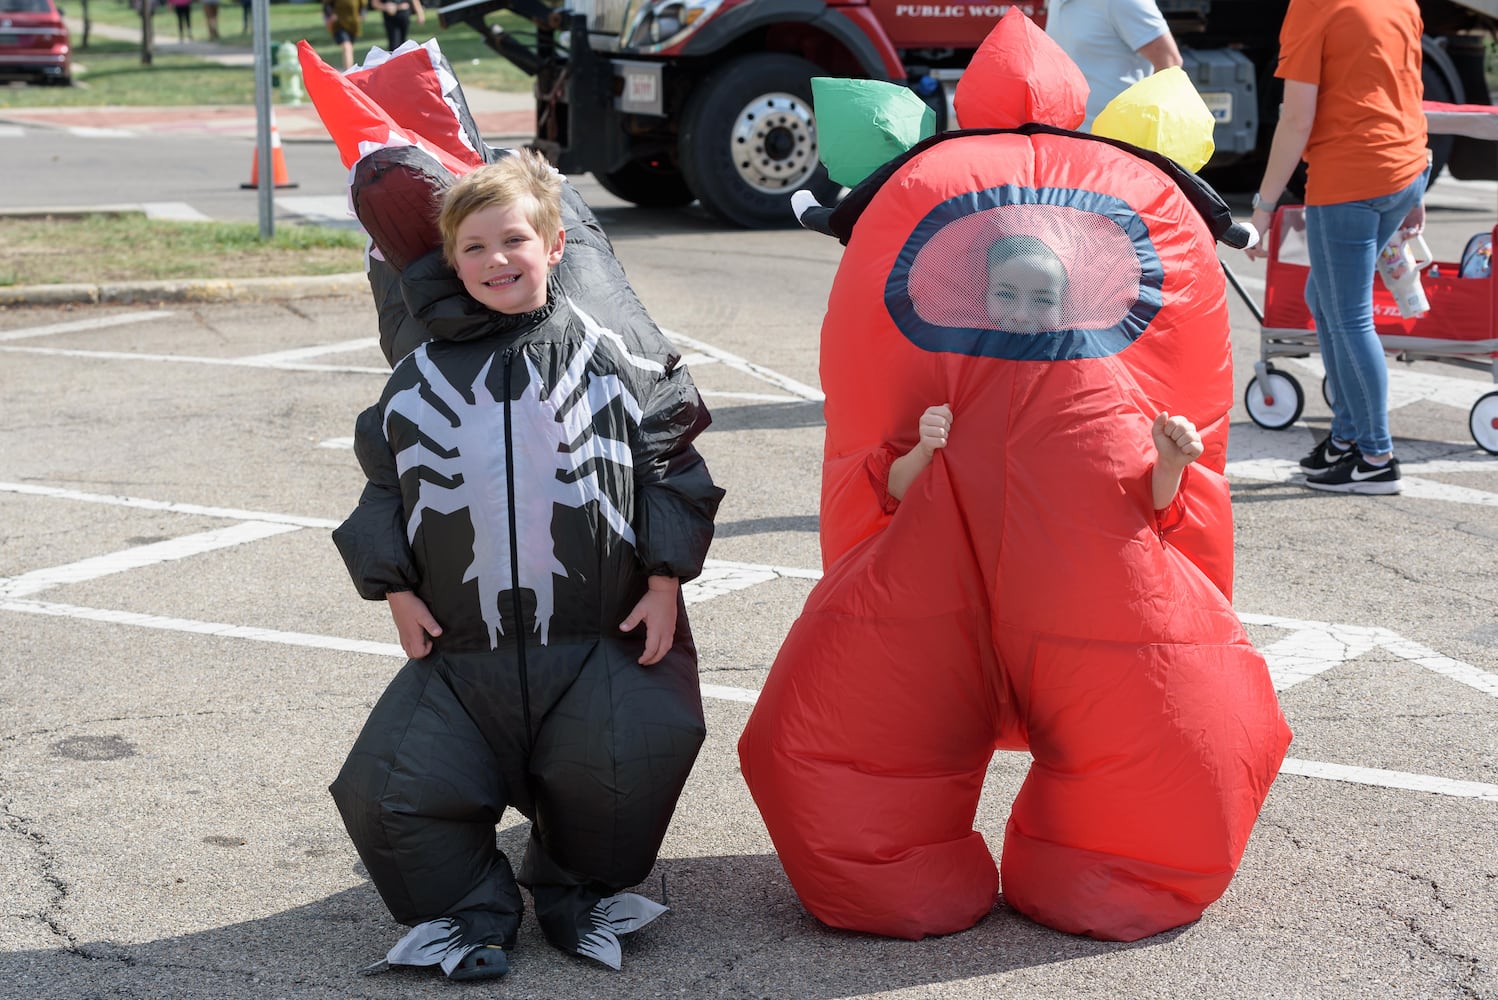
<point>211,290</point>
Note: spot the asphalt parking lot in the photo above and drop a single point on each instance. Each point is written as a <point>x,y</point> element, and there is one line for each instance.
<point>185,665</point>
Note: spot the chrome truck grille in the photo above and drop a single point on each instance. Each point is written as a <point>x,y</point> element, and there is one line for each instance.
<point>605,17</point>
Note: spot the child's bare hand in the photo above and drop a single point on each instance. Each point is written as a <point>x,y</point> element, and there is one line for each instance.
<point>1176,440</point>
<point>413,622</point>
<point>935,425</point>
<point>657,610</point>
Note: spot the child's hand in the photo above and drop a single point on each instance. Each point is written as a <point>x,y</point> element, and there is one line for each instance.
<point>1177,444</point>
<point>1176,440</point>
<point>657,609</point>
<point>933,428</point>
<point>413,622</point>
<point>935,424</point>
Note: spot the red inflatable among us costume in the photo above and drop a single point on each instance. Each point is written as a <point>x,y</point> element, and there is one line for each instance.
<point>1024,593</point>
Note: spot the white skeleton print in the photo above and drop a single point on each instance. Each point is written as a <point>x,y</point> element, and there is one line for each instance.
<point>553,438</point>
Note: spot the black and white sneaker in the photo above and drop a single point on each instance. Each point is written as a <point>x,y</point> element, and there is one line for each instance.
<point>1326,454</point>
<point>1353,475</point>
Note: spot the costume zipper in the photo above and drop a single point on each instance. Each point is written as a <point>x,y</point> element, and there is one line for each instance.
<point>525,688</point>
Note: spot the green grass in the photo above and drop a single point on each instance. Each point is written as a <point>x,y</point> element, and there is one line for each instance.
<point>110,71</point>
<point>103,248</point>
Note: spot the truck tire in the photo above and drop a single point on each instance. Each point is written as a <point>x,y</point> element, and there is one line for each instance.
<point>648,185</point>
<point>749,140</point>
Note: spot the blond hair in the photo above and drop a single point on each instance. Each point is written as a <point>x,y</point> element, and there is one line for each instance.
<point>522,177</point>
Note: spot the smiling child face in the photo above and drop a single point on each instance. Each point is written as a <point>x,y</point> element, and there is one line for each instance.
<point>501,259</point>
<point>1024,293</point>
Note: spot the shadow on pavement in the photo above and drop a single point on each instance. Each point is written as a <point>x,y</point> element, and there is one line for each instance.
<point>718,940</point>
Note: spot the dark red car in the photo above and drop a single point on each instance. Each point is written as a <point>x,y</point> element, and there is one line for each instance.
<point>34,42</point>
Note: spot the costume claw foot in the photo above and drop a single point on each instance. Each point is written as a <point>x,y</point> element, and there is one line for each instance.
<point>439,942</point>
<point>613,916</point>
<point>601,945</point>
<point>626,912</point>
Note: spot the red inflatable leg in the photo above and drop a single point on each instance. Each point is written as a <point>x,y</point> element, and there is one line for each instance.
<point>866,757</point>
<point>1136,812</point>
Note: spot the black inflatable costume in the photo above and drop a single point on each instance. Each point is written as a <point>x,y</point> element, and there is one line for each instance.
<point>526,474</point>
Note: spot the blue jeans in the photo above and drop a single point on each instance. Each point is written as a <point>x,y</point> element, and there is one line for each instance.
<point>1343,243</point>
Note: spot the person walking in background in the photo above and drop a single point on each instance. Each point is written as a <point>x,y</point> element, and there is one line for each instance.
<point>210,19</point>
<point>184,19</point>
<point>345,21</point>
<point>1352,111</point>
<point>1116,43</point>
<point>246,6</point>
<point>397,15</point>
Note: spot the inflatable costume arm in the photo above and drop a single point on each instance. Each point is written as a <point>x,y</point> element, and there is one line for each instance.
<point>677,499</point>
<point>400,332</point>
<point>372,540</point>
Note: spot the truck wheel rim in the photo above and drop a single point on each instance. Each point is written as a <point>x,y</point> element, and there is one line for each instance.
<point>774,143</point>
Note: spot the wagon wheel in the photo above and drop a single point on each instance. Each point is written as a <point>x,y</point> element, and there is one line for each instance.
<point>1276,403</point>
<point>1483,422</point>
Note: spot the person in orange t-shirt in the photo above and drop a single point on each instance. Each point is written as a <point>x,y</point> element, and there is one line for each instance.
<point>1352,110</point>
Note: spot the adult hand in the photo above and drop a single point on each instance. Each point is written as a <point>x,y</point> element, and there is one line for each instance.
<point>1261,220</point>
<point>657,610</point>
<point>1414,223</point>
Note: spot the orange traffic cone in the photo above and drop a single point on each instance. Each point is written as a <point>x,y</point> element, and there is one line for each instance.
<point>279,177</point>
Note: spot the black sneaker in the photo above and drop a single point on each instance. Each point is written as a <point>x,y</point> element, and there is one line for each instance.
<point>1326,454</point>
<point>1353,475</point>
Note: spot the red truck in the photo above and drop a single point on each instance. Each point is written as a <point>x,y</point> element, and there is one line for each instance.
<point>667,102</point>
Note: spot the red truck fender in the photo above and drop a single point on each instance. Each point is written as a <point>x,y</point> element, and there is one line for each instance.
<point>855,28</point>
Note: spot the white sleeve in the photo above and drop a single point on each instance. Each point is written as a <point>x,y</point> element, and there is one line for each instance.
<point>1137,22</point>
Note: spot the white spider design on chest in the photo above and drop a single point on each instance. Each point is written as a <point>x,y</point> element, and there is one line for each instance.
<point>553,437</point>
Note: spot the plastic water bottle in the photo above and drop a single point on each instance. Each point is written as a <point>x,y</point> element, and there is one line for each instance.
<point>1399,264</point>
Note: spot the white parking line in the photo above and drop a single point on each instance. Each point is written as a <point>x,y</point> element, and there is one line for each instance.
<point>139,556</point>
<point>722,692</point>
<point>79,325</point>
<point>1380,778</point>
<point>1426,783</point>
<point>315,351</point>
<point>746,366</point>
<point>1314,647</point>
<point>289,360</point>
<point>753,397</point>
<point>187,359</point>
<point>218,629</point>
<point>228,513</point>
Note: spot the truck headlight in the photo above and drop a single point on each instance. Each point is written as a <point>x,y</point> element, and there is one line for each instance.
<point>652,26</point>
